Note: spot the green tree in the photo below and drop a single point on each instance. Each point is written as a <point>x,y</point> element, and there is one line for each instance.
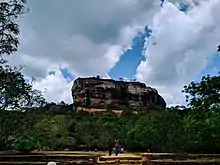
<point>15,92</point>
<point>9,126</point>
<point>204,94</point>
<point>201,128</point>
<point>10,11</point>
<point>24,143</point>
<point>201,131</point>
<point>52,132</point>
<point>158,131</point>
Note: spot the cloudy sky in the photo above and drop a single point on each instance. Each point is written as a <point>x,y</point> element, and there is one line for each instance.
<point>163,43</point>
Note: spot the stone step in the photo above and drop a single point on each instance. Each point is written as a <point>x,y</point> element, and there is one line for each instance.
<point>25,163</point>
<point>178,156</point>
<point>45,163</point>
<point>120,157</point>
<point>52,152</point>
<point>186,162</point>
<point>46,158</point>
<point>121,162</point>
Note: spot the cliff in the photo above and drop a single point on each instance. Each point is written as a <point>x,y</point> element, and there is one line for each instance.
<point>94,92</point>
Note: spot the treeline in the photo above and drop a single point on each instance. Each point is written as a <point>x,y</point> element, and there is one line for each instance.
<point>195,129</point>
<point>28,122</point>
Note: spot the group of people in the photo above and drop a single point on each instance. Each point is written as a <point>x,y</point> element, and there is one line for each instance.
<point>115,147</point>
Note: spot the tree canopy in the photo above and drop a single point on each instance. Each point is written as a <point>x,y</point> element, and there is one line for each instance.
<point>58,126</point>
<point>15,92</point>
<point>10,11</point>
<point>204,94</point>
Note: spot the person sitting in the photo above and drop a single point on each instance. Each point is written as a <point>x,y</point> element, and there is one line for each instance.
<point>117,147</point>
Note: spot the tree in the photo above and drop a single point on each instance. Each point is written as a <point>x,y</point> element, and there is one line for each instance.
<point>201,129</point>
<point>9,126</point>
<point>10,11</point>
<point>24,143</point>
<point>159,131</point>
<point>15,92</point>
<point>52,132</point>
<point>204,94</point>
<point>201,132</point>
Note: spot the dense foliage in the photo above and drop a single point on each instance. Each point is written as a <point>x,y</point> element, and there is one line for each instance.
<point>58,126</point>
<point>10,11</point>
<point>15,92</point>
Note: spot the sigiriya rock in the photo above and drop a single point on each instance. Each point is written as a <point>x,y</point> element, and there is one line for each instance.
<point>94,92</point>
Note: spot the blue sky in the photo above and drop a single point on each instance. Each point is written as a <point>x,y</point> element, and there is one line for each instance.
<point>212,68</point>
<point>87,40</point>
<point>129,61</point>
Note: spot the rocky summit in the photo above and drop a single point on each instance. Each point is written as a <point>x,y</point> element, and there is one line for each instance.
<point>98,93</point>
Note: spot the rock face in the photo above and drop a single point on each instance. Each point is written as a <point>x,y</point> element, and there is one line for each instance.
<point>94,92</point>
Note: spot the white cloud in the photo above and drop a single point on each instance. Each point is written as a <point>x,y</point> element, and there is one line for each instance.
<point>89,38</point>
<point>180,47</point>
<point>55,87</point>
<point>86,37</point>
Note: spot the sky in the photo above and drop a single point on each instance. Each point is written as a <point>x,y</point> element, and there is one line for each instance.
<point>165,44</point>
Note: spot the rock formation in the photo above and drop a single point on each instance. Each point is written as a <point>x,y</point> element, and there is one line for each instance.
<point>94,92</point>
